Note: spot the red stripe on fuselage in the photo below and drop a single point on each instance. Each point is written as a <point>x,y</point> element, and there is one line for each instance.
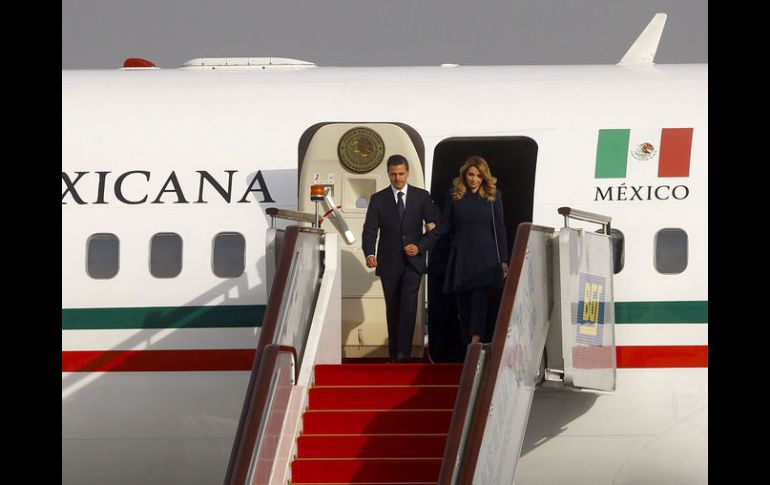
<point>241,359</point>
<point>157,360</point>
<point>648,356</point>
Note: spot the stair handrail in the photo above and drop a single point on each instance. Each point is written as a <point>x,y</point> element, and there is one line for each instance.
<point>468,455</point>
<point>276,213</point>
<point>237,468</point>
<point>581,215</point>
<point>244,458</point>
<point>467,393</point>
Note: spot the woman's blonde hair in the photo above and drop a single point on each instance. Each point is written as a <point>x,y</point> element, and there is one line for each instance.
<point>488,188</point>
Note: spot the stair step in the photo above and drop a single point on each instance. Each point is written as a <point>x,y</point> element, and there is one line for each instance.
<point>433,397</point>
<point>387,374</point>
<point>387,446</point>
<point>365,471</point>
<point>377,422</point>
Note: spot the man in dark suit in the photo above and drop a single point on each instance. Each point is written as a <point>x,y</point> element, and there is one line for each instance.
<point>398,212</point>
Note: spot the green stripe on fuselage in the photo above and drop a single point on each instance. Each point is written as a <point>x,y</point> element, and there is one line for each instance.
<point>661,312</point>
<point>221,316</point>
<point>225,316</point>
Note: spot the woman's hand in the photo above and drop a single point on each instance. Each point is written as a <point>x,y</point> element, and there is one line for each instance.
<point>504,267</point>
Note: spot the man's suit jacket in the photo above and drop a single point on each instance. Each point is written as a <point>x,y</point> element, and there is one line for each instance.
<point>382,214</point>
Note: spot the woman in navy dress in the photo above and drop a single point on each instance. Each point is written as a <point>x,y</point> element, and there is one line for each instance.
<point>478,258</point>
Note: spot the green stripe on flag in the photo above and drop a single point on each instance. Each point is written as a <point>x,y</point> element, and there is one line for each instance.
<point>662,312</point>
<point>163,317</point>
<point>612,153</point>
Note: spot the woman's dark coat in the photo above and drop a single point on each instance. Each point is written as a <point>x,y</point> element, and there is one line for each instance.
<point>474,260</point>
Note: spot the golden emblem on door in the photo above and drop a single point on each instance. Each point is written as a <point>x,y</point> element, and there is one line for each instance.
<point>361,149</point>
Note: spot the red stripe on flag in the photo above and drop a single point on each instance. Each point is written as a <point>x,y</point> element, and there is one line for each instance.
<point>157,360</point>
<point>651,356</point>
<point>675,149</point>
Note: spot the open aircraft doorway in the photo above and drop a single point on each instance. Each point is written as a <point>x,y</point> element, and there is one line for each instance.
<point>512,161</point>
<point>350,158</point>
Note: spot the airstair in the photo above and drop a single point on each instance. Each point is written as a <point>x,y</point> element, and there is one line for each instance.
<point>307,418</point>
<point>371,423</point>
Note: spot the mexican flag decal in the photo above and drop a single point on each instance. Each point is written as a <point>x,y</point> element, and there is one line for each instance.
<point>621,153</point>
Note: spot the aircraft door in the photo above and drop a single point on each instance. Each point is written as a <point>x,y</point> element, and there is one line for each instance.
<point>512,161</point>
<point>351,158</point>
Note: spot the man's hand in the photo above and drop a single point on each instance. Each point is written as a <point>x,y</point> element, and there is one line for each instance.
<point>505,269</point>
<point>429,226</point>
<point>411,250</point>
<point>371,261</point>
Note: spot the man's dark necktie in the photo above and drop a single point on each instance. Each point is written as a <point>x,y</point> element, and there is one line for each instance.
<point>401,206</point>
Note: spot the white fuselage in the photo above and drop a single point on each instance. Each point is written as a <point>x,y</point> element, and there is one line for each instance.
<point>165,425</point>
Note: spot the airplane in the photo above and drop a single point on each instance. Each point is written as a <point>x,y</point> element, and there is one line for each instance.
<point>167,175</point>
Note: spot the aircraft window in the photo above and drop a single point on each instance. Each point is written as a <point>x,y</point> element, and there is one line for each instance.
<point>229,255</point>
<point>362,203</point>
<point>670,251</point>
<point>618,249</point>
<point>103,256</point>
<point>166,255</point>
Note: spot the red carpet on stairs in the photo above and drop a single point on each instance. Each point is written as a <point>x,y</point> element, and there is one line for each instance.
<point>376,424</point>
